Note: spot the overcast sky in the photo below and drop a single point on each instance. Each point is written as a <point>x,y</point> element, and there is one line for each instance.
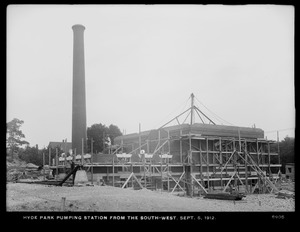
<point>142,62</point>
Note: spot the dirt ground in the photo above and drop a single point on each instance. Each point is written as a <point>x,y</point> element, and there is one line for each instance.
<point>36,197</point>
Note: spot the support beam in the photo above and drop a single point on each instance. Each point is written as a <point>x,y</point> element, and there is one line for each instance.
<point>131,174</point>
<point>257,150</point>
<point>246,167</point>
<point>177,182</point>
<point>161,171</point>
<point>159,147</point>
<point>188,184</point>
<point>140,141</point>
<point>200,116</point>
<point>269,160</point>
<point>207,164</point>
<point>92,161</point>
<point>204,115</point>
<point>174,118</point>
<point>82,150</point>
<point>113,171</point>
<point>198,183</point>
<point>201,168</point>
<point>145,181</point>
<point>221,161</point>
<point>192,109</point>
<point>169,152</point>
<point>260,173</point>
<point>43,165</point>
<point>180,146</point>
<point>50,156</point>
<point>134,177</point>
<point>229,181</point>
<point>148,150</point>
<point>278,150</point>
<point>177,121</point>
<point>190,155</point>
<point>56,159</point>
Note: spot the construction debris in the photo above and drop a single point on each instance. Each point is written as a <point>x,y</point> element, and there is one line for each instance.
<point>285,194</point>
<point>20,170</point>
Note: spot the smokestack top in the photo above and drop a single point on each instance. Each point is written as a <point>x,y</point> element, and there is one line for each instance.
<point>78,27</point>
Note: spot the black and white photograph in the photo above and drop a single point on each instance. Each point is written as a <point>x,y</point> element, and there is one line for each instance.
<point>150,109</point>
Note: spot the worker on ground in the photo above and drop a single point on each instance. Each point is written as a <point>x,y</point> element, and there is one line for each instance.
<point>72,168</point>
<point>230,188</point>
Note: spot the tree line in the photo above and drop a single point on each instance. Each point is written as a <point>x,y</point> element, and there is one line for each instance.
<point>15,141</point>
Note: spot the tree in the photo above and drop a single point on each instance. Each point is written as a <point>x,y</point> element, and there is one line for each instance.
<point>113,132</point>
<point>31,155</point>
<point>287,150</point>
<point>98,132</point>
<point>14,136</point>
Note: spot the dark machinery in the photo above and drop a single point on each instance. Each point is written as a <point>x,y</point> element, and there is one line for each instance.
<point>73,172</point>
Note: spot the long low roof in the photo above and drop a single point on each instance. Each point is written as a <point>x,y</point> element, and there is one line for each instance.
<point>202,130</point>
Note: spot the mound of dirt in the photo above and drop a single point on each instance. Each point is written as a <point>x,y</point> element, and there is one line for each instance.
<point>18,169</point>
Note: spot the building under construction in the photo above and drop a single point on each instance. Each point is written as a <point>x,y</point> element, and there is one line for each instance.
<point>191,157</point>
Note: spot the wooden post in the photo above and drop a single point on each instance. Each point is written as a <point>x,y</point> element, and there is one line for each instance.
<point>234,163</point>
<point>240,144</point>
<point>66,147</point>
<point>180,146</point>
<point>44,165</point>
<point>63,203</point>
<point>246,167</point>
<point>258,163</point>
<point>240,150</point>
<point>269,160</point>
<point>50,156</point>
<point>188,179</point>
<point>190,154</point>
<point>221,161</point>
<point>161,173</point>
<point>257,150</point>
<point>140,142</point>
<point>168,170</point>
<point>56,158</point>
<point>122,144</point>
<point>169,152</point>
<point>192,109</point>
<point>145,182</point>
<point>131,178</point>
<point>150,168</point>
<point>82,151</point>
<point>113,171</point>
<point>92,171</point>
<point>103,142</point>
<point>169,143</point>
<point>65,156</point>
<point>278,150</point>
<point>214,162</point>
<point>201,168</point>
<point>207,164</point>
<point>226,155</point>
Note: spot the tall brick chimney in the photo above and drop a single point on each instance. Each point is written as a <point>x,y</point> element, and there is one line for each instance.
<point>78,104</point>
